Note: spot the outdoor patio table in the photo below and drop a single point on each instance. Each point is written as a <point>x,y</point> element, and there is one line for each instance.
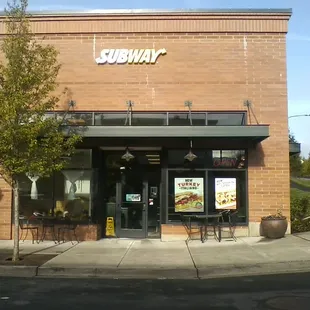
<point>48,222</point>
<point>204,224</point>
<point>203,221</point>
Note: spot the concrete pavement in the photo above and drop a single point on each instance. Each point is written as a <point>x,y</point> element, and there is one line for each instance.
<point>25,248</point>
<point>150,258</point>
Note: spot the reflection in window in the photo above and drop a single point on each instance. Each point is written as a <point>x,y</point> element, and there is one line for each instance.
<point>42,202</point>
<point>226,119</point>
<point>183,119</point>
<point>227,191</point>
<point>80,159</point>
<point>77,118</point>
<point>49,115</point>
<point>110,119</point>
<point>176,159</point>
<point>143,119</point>
<point>229,159</point>
<point>73,194</point>
<point>67,191</point>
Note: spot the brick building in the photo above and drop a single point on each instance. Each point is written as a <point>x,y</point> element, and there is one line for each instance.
<point>160,86</point>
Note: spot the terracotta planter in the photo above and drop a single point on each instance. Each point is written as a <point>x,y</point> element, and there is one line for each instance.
<point>274,228</point>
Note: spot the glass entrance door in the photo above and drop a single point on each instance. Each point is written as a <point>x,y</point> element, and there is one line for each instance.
<point>131,211</point>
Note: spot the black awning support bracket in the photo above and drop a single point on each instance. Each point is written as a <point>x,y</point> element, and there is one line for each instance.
<point>129,104</point>
<point>189,104</point>
<point>248,104</point>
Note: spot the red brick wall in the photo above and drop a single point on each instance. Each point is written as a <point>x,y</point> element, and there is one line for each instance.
<point>206,62</point>
<point>84,233</point>
<point>5,210</point>
<point>215,72</point>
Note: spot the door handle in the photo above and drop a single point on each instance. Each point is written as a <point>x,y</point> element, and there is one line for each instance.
<point>144,207</point>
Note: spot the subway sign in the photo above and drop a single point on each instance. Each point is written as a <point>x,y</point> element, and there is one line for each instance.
<point>129,56</point>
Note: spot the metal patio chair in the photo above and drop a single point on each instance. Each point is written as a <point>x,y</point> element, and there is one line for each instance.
<point>232,223</point>
<point>48,224</point>
<point>68,226</point>
<point>24,224</point>
<point>191,226</point>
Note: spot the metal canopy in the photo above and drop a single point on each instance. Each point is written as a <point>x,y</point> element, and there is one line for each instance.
<point>294,148</point>
<point>256,133</point>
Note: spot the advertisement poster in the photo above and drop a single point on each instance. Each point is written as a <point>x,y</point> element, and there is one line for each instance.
<point>189,194</point>
<point>225,193</point>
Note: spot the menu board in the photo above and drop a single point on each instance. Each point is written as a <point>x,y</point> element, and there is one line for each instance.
<point>189,194</point>
<point>225,193</point>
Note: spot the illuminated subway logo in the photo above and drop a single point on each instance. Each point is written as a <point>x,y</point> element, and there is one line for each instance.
<point>130,56</point>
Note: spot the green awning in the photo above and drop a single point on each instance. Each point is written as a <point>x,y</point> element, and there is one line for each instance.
<point>255,133</point>
<point>294,148</point>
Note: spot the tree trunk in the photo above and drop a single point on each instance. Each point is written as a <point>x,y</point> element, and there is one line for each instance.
<point>16,221</point>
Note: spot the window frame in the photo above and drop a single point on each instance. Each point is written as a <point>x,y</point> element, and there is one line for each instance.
<point>165,203</point>
<point>244,121</point>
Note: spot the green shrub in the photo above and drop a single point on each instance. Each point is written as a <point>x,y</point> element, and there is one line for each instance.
<point>300,208</point>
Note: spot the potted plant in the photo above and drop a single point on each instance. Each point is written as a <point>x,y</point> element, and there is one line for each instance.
<point>274,226</point>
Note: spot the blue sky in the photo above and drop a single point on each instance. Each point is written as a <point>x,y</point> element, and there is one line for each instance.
<point>298,42</point>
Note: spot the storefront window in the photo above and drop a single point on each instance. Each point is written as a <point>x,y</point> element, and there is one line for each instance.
<point>73,193</point>
<point>227,191</point>
<point>67,191</point>
<point>229,159</point>
<point>176,159</point>
<point>186,193</point>
<point>223,173</point>
<point>81,159</point>
<point>36,195</point>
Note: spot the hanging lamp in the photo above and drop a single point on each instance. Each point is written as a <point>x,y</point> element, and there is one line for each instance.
<point>190,156</point>
<point>127,156</point>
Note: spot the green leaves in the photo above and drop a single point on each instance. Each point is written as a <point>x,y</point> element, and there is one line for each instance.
<point>29,142</point>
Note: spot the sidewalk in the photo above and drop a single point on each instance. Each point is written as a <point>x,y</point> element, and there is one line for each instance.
<point>148,258</point>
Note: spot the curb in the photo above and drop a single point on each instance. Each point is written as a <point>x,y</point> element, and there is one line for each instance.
<point>210,272</point>
<point>109,272</point>
<point>18,271</point>
<point>118,273</point>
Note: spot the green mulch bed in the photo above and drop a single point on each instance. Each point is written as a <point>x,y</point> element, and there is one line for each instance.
<point>25,259</point>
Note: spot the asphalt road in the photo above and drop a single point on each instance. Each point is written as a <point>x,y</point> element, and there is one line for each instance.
<point>289,291</point>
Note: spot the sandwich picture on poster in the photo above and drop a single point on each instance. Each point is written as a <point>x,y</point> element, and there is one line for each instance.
<point>189,194</point>
<point>225,193</point>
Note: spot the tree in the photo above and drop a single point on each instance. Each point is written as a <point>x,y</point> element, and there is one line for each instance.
<point>306,167</point>
<point>295,160</point>
<point>30,143</point>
